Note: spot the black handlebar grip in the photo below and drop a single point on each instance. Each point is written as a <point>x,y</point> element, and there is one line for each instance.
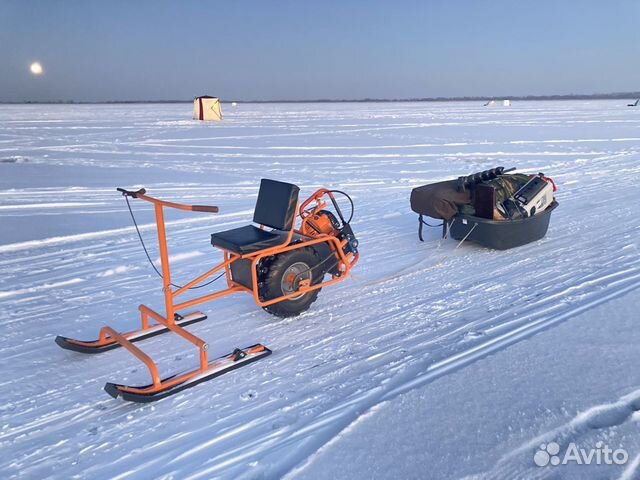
<point>129,193</point>
<point>205,208</point>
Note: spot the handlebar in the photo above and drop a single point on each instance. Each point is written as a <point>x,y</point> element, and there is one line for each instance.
<point>141,194</point>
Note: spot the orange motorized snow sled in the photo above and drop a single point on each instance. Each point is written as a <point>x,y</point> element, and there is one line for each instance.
<point>282,266</point>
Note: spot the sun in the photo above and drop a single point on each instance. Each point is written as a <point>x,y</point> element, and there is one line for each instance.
<point>36,68</point>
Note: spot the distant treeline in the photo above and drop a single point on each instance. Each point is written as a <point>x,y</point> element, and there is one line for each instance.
<point>572,96</point>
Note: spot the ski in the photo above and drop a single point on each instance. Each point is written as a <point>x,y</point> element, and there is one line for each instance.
<point>176,383</point>
<point>98,346</point>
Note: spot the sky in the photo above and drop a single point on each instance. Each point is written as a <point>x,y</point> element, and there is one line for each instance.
<point>326,49</point>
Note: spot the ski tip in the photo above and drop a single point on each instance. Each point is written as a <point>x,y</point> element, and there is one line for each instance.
<point>83,347</point>
<point>112,389</point>
<point>63,343</point>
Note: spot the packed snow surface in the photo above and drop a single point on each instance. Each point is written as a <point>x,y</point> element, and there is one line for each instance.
<point>433,361</point>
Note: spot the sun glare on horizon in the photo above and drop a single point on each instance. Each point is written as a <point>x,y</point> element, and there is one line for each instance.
<point>36,68</point>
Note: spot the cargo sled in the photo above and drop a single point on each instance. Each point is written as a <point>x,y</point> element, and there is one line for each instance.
<point>491,208</point>
<point>499,234</point>
<point>283,267</point>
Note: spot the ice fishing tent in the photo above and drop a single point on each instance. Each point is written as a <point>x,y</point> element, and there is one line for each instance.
<point>207,108</point>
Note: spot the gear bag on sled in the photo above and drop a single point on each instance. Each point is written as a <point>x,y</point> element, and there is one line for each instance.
<point>492,208</point>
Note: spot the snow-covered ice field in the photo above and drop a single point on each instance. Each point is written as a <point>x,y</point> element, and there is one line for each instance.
<point>430,362</point>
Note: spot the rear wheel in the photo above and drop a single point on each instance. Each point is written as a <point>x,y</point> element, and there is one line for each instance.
<point>283,277</point>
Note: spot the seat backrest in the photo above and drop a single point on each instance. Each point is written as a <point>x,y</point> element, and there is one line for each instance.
<point>276,205</point>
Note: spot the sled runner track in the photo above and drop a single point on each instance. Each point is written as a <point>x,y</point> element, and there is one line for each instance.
<point>513,463</point>
<point>398,315</point>
<point>398,385</point>
<point>421,371</point>
<point>344,413</point>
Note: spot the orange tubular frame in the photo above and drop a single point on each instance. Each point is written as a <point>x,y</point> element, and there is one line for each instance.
<point>170,321</point>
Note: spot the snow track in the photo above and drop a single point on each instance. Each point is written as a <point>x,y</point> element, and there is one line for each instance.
<point>599,417</point>
<point>412,312</point>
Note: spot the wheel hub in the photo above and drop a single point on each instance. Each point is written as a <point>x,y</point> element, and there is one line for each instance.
<point>292,276</point>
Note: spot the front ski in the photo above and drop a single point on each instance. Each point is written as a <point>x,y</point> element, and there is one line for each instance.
<point>176,383</point>
<point>98,346</point>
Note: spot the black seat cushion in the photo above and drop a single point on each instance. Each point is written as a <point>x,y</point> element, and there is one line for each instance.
<point>276,205</point>
<point>247,239</point>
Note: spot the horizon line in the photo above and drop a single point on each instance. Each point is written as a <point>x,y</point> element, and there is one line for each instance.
<point>571,96</point>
